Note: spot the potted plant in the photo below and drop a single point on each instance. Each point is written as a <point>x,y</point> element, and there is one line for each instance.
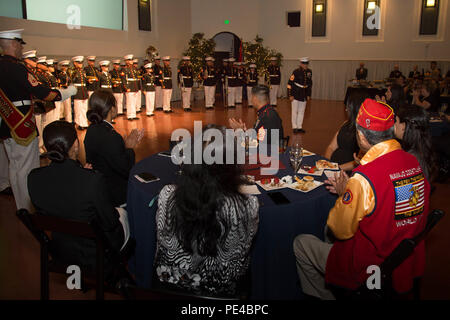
<point>255,52</point>
<point>198,49</point>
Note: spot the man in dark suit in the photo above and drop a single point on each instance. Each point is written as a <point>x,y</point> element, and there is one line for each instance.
<point>361,72</point>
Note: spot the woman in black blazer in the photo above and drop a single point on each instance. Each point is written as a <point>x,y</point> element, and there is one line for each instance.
<point>106,150</point>
<point>67,190</point>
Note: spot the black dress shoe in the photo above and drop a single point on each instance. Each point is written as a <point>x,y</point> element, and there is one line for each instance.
<point>250,106</point>
<point>188,109</point>
<point>79,127</point>
<point>231,107</point>
<point>166,111</point>
<point>301,131</point>
<point>139,111</point>
<point>136,118</point>
<point>131,119</point>
<point>7,191</point>
<point>150,115</point>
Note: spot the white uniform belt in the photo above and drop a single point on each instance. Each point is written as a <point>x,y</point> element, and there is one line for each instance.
<point>79,85</point>
<point>150,84</point>
<point>132,79</point>
<point>22,103</point>
<point>274,75</point>
<point>186,77</point>
<point>54,88</point>
<point>299,85</point>
<point>167,78</point>
<point>231,77</point>
<point>211,76</point>
<point>106,86</point>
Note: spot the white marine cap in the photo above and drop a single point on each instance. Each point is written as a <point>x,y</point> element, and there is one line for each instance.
<point>78,59</point>
<point>29,54</point>
<point>166,58</point>
<point>231,60</point>
<point>91,58</point>
<point>116,61</point>
<point>186,58</point>
<point>157,58</point>
<point>209,59</point>
<point>148,65</point>
<point>273,59</point>
<point>252,65</point>
<point>104,63</point>
<point>64,62</point>
<point>135,60</point>
<point>12,35</point>
<point>42,60</point>
<point>50,62</point>
<point>304,60</point>
<point>128,57</point>
<point>226,60</point>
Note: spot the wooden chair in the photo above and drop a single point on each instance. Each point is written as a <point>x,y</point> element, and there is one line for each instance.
<point>40,224</point>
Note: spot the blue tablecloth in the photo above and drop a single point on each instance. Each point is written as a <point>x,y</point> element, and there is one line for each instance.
<point>273,268</point>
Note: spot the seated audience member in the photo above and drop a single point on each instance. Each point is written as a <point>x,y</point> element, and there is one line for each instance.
<point>66,190</point>
<point>441,145</point>
<point>394,97</point>
<point>106,150</point>
<point>205,228</point>
<point>344,148</point>
<point>387,192</point>
<point>396,73</point>
<point>415,73</point>
<point>267,116</point>
<point>361,72</point>
<point>429,100</point>
<point>411,128</point>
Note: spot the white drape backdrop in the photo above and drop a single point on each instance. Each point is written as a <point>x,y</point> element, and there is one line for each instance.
<point>330,78</point>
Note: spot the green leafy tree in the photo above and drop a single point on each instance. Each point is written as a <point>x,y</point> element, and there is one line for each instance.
<point>198,49</point>
<point>255,52</point>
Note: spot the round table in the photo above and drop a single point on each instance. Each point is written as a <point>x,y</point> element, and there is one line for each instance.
<point>273,266</point>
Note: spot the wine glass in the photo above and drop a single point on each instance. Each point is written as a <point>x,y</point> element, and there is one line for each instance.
<point>296,157</point>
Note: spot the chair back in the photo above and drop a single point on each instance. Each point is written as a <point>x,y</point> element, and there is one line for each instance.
<point>38,224</point>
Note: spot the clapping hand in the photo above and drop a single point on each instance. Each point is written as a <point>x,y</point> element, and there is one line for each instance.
<point>88,166</point>
<point>237,124</point>
<point>134,138</point>
<point>382,99</point>
<point>338,183</point>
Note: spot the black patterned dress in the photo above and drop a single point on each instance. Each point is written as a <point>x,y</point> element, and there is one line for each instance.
<point>206,275</point>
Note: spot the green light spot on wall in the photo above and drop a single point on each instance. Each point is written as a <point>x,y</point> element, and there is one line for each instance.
<point>227,21</point>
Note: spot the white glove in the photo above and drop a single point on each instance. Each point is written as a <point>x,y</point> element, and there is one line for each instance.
<point>67,93</point>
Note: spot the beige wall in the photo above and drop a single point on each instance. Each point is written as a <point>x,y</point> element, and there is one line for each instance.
<point>268,19</point>
<point>171,30</point>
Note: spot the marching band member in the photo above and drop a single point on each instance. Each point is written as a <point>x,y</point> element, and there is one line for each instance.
<point>105,83</point>
<point>274,80</point>
<point>186,82</point>
<point>117,78</point>
<point>139,93</point>
<point>157,70</point>
<point>91,75</point>
<point>239,81</point>
<point>209,82</point>
<point>63,78</point>
<point>230,83</point>
<point>252,81</point>
<point>80,100</point>
<point>131,86</point>
<point>148,85</point>
<point>299,91</point>
<point>18,127</point>
<point>167,84</point>
<point>52,115</point>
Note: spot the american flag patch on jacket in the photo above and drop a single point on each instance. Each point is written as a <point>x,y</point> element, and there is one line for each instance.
<point>409,196</point>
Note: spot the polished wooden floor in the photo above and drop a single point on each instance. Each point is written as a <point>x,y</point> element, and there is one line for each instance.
<point>19,252</point>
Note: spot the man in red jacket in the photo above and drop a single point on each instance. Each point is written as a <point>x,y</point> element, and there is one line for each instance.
<point>385,201</point>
